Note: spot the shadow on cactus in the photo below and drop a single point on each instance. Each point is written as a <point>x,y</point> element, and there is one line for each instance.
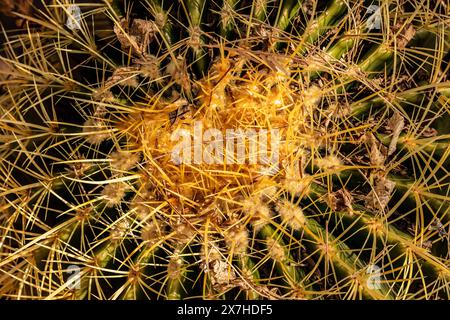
<point>233,149</point>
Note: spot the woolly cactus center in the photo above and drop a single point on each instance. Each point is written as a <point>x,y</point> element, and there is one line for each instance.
<point>244,126</point>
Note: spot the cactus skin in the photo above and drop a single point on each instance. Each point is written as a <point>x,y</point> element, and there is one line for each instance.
<point>358,208</point>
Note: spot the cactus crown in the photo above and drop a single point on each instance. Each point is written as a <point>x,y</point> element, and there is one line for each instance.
<point>240,149</point>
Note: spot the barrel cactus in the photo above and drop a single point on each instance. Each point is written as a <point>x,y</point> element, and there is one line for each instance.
<point>232,149</point>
